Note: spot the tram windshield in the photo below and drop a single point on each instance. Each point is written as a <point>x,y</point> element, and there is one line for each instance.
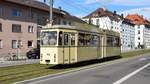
<point>49,38</point>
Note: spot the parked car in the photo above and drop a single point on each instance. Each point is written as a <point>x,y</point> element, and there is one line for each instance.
<point>33,54</point>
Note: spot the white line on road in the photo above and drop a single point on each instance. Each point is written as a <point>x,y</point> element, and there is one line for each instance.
<point>131,74</point>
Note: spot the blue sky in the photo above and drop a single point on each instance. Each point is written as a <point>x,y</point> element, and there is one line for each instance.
<point>83,7</point>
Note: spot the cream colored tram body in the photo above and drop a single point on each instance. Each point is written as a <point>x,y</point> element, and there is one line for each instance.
<point>71,44</point>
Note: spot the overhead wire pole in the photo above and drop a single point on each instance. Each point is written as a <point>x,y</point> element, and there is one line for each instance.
<point>51,12</point>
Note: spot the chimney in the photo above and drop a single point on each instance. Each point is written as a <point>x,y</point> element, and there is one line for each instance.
<point>122,15</point>
<point>115,12</point>
<point>99,13</point>
<point>142,16</point>
<point>59,8</point>
<point>104,8</point>
<point>44,1</point>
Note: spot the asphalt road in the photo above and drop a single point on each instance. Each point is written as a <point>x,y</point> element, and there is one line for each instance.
<point>129,71</point>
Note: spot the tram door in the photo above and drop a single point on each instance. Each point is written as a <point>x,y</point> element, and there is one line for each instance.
<point>102,47</point>
<point>98,48</point>
<point>69,48</point>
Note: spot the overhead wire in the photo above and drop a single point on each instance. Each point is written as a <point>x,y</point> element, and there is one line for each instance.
<point>77,7</point>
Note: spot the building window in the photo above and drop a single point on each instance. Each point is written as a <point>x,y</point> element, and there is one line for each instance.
<point>30,44</point>
<point>69,23</point>
<point>16,12</point>
<point>1,11</point>
<point>0,27</point>
<point>138,31</point>
<point>139,38</point>
<point>97,22</point>
<point>1,44</point>
<point>14,44</point>
<point>64,23</point>
<point>85,20</point>
<point>16,28</point>
<point>111,22</point>
<point>30,29</point>
<point>91,21</point>
<point>111,27</point>
<point>31,14</point>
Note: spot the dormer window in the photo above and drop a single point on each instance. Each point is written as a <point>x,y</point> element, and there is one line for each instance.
<point>136,20</point>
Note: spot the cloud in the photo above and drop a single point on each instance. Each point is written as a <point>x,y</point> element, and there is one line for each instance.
<point>142,11</point>
<point>131,2</point>
<point>97,1</point>
<point>120,2</point>
<point>80,15</point>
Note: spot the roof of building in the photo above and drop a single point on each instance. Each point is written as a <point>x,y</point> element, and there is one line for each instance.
<point>102,12</point>
<point>127,21</point>
<point>42,6</point>
<point>138,19</point>
<point>34,4</point>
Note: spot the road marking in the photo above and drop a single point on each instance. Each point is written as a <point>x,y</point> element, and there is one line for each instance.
<point>131,74</point>
<point>142,59</point>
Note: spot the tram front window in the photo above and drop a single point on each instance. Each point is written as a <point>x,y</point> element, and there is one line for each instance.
<point>49,38</point>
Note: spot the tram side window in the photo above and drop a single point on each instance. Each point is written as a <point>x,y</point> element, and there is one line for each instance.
<point>81,39</point>
<point>88,39</point>
<point>66,39</point>
<point>60,37</point>
<point>72,39</point>
<point>49,38</point>
<point>116,42</point>
<point>95,40</point>
<point>110,41</point>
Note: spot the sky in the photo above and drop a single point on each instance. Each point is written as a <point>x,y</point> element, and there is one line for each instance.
<point>82,8</point>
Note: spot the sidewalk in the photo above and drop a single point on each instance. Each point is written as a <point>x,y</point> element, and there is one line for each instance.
<point>19,62</point>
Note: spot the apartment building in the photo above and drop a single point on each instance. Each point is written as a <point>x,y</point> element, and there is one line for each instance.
<point>108,20</point>
<point>20,24</point>
<point>127,35</point>
<point>142,30</point>
<point>104,19</point>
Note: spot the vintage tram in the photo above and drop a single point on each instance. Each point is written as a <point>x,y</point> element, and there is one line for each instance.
<point>62,44</point>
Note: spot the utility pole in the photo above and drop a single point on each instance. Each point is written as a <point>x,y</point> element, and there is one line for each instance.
<point>51,12</point>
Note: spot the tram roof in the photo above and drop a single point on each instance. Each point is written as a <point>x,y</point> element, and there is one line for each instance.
<point>83,27</point>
